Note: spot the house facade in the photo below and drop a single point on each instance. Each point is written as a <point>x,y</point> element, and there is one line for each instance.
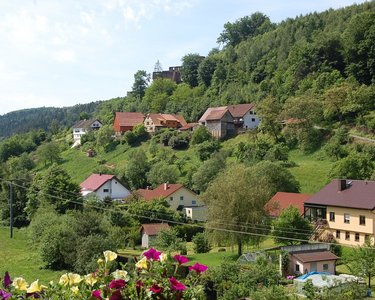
<point>125,121</point>
<point>104,185</point>
<point>347,210</point>
<point>218,121</point>
<point>155,122</point>
<point>149,232</point>
<point>84,126</point>
<point>178,198</point>
<point>244,116</point>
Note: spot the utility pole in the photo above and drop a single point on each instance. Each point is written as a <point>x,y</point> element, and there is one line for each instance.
<point>11,208</point>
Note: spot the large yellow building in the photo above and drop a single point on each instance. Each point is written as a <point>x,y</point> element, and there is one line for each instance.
<point>346,209</point>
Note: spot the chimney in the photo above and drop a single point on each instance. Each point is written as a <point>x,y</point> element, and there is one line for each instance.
<point>165,186</point>
<point>341,184</point>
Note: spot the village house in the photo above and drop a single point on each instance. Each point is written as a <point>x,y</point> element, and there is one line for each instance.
<point>125,121</point>
<point>218,121</point>
<point>244,116</point>
<point>82,127</point>
<point>104,185</point>
<point>345,209</point>
<point>179,198</point>
<point>149,232</point>
<point>155,122</point>
<point>282,200</point>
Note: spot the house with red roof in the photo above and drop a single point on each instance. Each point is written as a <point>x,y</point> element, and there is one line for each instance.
<point>150,232</point>
<point>125,121</point>
<point>244,115</point>
<point>155,122</point>
<point>218,121</point>
<point>346,210</point>
<point>178,198</point>
<point>104,185</point>
<point>282,200</point>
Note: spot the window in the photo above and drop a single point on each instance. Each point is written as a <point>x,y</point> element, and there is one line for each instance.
<point>362,220</point>
<point>346,218</point>
<point>170,198</point>
<point>356,237</point>
<point>106,190</point>
<point>252,119</point>
<point>337,234</point>
<point>181,198</point>
<point>347,235</point>
<point>332,216</point>
<point>325,267</point>
<point>297,267</point>
<point>193,202</point>
<point>251,112</point>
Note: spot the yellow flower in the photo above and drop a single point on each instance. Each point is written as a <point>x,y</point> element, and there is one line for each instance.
<point>109,255</point>
<point>20,284</point>
<point>74,289</point>
<point>142,264</point>
<point>90,279</point>
<point>35,287</point>
<point>70,278</point>
<point>120,274</point>
<point>163,257</point>
<point>100,262</point>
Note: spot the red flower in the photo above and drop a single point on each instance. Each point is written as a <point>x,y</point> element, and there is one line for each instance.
<point>96,294</point>
<point>198,268</point>
<point>117,284</point>
<point>180,259</point>
<point>116,295</point>
<point>176,285</point>
<point>156,289</point>
<point>152,254</point>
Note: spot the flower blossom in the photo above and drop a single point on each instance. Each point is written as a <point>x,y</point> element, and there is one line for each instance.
<point>70,279</point>
<point>142,264</point>
<point>120,274</point>
<point>180,259</point>
<point>20,284</point>
<point>90,279</point>
<point>74,289</point>
<point>152,254</point>
<point>96,294</point>
<point>156,289</point>
<point>7,280</point>
<point>176,285</point>
<point>109,255</point>
<point>117,284</point>
<point>4,295</point>
<point>198,268</point>
<point>35,287</point>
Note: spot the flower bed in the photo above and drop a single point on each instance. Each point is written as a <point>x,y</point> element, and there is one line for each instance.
<point>156,275</point>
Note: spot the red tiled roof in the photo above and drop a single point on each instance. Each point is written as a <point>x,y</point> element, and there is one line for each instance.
<point>95,181</point>
<point>209,110</point>
<point>239,110</point>
<point>282,200</point>
<point>314,256</point>
<point>357,194</point>
<point>154,229</point>
<point>162,191</point>
<point>158,118</point>
<point>129,118</point>
<point>189,126</point>
<point>181,119</point>
<point>216,115</point>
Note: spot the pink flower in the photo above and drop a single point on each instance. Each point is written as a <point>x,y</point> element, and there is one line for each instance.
<point>176,285</point>
<point>7,280</point>
<point>152,254</point>
<point>4,295</point>
<point>117,284</point>
<point>96,294</point>
<point>116,295</point>
<point>198,268</point>
<point>156,289</point>
<point>180,259</point>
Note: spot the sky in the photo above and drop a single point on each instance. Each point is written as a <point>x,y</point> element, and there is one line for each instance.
<point>61,53</point>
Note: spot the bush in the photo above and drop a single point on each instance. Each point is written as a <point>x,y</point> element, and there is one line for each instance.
<point>205,149</point>
<point>200,135</point>
<point>201,243</point>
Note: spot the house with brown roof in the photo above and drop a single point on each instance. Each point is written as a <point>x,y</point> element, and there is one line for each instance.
<point>84,126</point>
<point>155,122</point>
<point>244,115</point>
<point>150,232</point>
<point>282,200</point>
<point>125,121</point>
<point>104,185</point>
<point>346,208</point>
<point>219,122</point>
<point>178,198</point>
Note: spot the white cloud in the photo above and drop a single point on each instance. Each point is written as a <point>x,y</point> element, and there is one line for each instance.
<point>65,55</point>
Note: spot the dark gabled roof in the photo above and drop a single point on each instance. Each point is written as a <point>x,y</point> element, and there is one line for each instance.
<point>314,256</point>
<point>282,200</point>
<point>85,123</point>
<point>154,229</point>
<point>129,118</point>
<point>357,194</point>
<point>239,110</point>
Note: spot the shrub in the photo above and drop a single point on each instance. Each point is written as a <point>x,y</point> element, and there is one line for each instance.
<point>201,243</point>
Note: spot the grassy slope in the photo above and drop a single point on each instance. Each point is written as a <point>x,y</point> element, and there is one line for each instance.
<point>20,259</point>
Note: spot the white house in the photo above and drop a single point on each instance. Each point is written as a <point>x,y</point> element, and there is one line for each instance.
<point>244,115</point>
<point>179,198</point>
<point>104,185</point>
<point>149,232</point>
<point>84,126</point>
